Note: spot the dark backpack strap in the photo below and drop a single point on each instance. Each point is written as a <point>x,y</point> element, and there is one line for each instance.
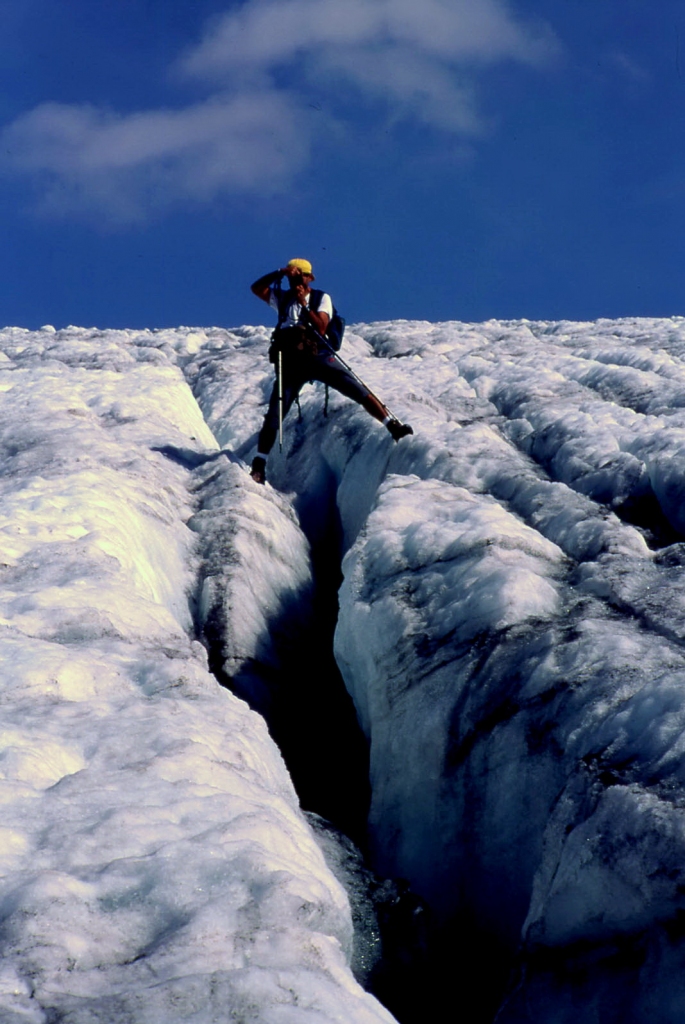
<point>280,299</point>
<point>336,324</point>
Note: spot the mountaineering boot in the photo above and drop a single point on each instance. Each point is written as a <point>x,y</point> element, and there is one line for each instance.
<point>398,430</point>
<point>258,471</point>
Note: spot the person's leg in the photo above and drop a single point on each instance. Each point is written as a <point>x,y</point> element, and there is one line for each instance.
<point>269,431</point>
<point>267,435</point>
<point>330,370</point>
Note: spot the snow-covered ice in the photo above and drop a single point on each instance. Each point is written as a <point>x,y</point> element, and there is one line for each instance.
<point>154,863</point>
<point>511,629</point>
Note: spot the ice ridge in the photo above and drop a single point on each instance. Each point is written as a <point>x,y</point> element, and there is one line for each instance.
<point>511,629</point>
<point>154,862</point>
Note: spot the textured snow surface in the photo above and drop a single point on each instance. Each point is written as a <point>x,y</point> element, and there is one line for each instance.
<point>511,629</point>
<point>154,863</point>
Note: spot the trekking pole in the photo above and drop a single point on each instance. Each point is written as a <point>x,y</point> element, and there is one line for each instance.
<point>280,400</point>
<point>355,375</point>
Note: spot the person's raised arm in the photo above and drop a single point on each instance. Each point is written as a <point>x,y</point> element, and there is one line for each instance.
<point>262,287</point>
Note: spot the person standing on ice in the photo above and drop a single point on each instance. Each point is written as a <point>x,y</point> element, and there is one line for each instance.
<point>306,354</point>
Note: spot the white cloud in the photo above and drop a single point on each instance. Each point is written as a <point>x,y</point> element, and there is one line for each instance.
<point>264,61</point>
<point>263,34</point>
<point>98,161</point>
<point>414,56</point>
<point>412,86</point>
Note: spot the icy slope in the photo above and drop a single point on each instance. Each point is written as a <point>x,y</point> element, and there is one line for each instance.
<point>154,863</point>
<point>511,629</point>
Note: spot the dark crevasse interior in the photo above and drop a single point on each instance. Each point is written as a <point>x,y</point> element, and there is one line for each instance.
<point>313,721</point>
<point>301,694</point>
<point>410,976</point>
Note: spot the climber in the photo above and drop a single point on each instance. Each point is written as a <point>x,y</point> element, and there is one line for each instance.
<point>303,349</point>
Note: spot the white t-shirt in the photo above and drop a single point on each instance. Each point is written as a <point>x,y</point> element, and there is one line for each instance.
<point>295,309</point>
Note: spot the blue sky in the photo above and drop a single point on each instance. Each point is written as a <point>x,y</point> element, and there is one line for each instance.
<point>448,159</point>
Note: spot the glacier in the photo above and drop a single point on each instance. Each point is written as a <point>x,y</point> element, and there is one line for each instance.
<point>509,627</point>
<point>154,862</point>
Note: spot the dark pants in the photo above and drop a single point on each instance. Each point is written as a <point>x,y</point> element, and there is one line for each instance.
<point>297,370</point>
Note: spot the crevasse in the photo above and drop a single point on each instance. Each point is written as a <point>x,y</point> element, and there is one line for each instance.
<point>511,628</point>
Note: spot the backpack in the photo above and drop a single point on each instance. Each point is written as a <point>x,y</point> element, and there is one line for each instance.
<point>336,325</point>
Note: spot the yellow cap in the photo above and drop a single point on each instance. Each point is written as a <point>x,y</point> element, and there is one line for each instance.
<point>303,265</point>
